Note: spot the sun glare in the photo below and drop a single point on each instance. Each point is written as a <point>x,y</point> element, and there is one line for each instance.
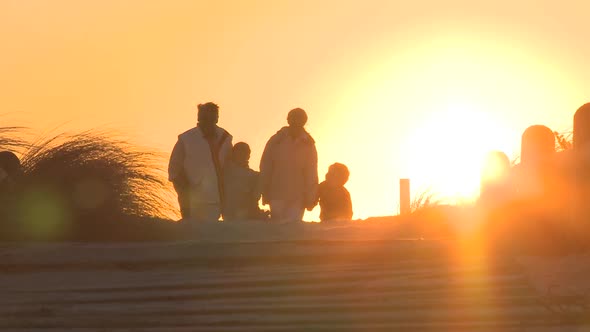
<point>495,168</point>
<point>439,108</point>
<point>448,150</point>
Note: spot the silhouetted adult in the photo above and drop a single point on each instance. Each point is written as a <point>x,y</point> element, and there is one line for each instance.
<point>288,170</point>
<point>196,166</point>
<point>582,130</point>
<point>10,169</point>
<point>582,166</point>
<point>242,188</point>
<point>530,176</point>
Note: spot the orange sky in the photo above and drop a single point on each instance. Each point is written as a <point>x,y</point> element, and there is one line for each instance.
<point>392,88</point>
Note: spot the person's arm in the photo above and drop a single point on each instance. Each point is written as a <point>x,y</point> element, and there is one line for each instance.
<point>311,179</point>
<point>256,187</point>
<point>318,194</point>
<point>254,193</point>
<point>266,169</point>
<point>176,166</point>
<point>348,206</point>
<point>226,150</point>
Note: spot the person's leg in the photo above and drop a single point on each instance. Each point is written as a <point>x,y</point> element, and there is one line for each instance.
<point>183,200</point>
<point>212,212</point>
<point>294,211</point>
<point>202,212</point>
<point>284,211</point>
<point>277,208</point>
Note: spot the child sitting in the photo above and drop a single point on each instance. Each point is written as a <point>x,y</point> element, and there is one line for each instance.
<point>334,199</point>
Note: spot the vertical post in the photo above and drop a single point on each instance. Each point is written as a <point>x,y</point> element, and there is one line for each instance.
<point>404,196</point>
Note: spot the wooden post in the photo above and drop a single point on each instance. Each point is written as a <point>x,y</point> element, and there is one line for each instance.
<point>404,196</point>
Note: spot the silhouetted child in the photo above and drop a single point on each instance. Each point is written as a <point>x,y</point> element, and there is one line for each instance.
<point>242,188</point>
<point>334,199</point>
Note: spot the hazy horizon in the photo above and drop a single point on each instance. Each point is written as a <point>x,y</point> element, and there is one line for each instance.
<point>392,89</point>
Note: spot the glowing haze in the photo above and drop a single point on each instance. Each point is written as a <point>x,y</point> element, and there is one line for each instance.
<point>418,89</point>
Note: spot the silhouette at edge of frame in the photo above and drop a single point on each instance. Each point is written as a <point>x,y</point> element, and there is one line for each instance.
<point>533,220</point>
<point>289,171</point>
<point>534,175</point>
<point>582,128</point>
<point>10,171</point>
<point>334,198</point>
<point>241,187</point>
<point>196,166</point>
<point>581,154</point>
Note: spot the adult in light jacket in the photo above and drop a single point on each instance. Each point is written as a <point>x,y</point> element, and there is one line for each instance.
<point>196,166</point>
<point>289,170</point>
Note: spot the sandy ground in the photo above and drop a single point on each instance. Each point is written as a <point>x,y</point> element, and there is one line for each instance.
<point>287,278</point>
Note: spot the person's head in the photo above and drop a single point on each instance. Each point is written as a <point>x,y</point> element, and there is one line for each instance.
<point>241,153</point>
<point>537,145</point>
<point>10,163</point>
<point>495,168</point>
<point>208,115</point>
<point>337,174</point>
<point>297,118</point>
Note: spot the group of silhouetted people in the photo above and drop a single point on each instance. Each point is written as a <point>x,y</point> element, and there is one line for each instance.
<point>213,178</point>
<point>549,189</point>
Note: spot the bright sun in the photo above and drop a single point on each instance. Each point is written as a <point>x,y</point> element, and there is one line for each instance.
<point>431,112</point>
<point>448,150</point>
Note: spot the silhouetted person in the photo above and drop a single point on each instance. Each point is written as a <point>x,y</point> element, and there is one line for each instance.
<point>537,146</point>
<point>581,166</point>
<point>288,170</point>
<point>537,217</point>
<point>242,188</point>
<point>196,166</point>
<point>582,129</point>
<point>495,179</point>
<point>334,199</point>
<point>10,170</point>
<point>534,175</point>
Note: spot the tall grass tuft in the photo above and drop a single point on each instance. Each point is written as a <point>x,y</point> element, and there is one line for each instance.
<point>563,141</point>
<point>80,185</point>
<point>424,200</point>
<point>10,140</point>
<point>100,173</point>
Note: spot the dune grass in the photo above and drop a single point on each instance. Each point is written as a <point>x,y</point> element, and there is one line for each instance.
<point>83,185</point>
<point>91,186</point>
<point>10,139</point>
<point>100,173</point>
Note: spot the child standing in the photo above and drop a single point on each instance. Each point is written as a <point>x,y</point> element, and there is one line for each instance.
<point>334,199</point>
<point>242,189</point>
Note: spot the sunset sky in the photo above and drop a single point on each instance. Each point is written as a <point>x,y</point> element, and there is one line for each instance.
<point>393,89</point>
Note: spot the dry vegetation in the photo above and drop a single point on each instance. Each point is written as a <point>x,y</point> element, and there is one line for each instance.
<point>90,186</point>
<point>85,185</point>
<point>563,141</point>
